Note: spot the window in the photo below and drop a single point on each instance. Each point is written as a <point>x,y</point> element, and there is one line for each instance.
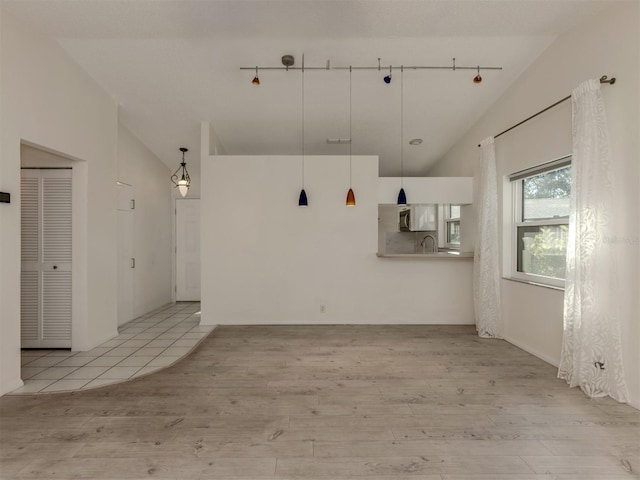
<point>452,225</point>
<point>541,199</point>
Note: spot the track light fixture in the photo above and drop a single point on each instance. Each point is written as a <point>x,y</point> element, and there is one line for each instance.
<point>256,79</point>
<point>287,61</point>
<point>181,177</point>
<point>387,79</point>
<point>477,79</point>
<point>288,64</point>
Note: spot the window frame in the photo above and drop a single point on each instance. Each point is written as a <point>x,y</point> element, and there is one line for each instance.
<point>447,221</point>
<point>516,182</point>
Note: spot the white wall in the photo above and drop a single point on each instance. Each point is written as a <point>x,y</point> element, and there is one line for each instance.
<point>266,260</point>
<point>48,101</point>
<point>457,190</point>
<point>139,167</point>
<point>607,45</point>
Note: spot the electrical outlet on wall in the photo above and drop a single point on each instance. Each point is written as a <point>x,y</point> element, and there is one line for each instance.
<point>323,308</point>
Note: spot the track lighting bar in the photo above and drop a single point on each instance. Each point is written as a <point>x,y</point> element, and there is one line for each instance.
<point>379,67</point>
<point>297,68</point>
<point>420,67</point>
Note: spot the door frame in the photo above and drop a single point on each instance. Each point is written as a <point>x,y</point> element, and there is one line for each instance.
<point>174,250</point>
<point>48,158</point>
<point>127,212</point>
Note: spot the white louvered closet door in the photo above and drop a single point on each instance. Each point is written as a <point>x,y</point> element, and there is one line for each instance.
<point>46,282</point>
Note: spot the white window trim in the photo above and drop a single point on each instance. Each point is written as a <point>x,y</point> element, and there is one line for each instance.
<point>513,220</point>
<point>443,220</point>
<point>447,220</point>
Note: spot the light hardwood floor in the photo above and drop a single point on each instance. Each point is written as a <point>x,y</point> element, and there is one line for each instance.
<point>328,402</point>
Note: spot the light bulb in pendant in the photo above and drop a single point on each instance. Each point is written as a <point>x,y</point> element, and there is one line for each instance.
<point>183,188</point>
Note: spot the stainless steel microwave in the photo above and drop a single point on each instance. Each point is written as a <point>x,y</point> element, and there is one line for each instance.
<point>418,218</point>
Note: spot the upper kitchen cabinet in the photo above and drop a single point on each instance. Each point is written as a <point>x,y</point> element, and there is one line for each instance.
<point>424,190</point>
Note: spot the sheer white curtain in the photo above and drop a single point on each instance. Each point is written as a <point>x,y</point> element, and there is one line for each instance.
<point>591,355</point>
<point>486,261</point>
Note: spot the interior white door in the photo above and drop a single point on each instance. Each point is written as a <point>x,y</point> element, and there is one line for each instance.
<point>188,249</point>
<point>126,256</point>
<point>46,236</point>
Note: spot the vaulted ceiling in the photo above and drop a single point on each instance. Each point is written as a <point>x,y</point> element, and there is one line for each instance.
<point>171,64</point>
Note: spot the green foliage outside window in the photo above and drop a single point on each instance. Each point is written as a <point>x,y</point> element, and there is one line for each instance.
<point>553,184</point>
<point>544,251</point>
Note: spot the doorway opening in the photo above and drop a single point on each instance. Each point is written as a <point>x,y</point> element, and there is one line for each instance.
<point>188,249</point>
<point>54,299</point>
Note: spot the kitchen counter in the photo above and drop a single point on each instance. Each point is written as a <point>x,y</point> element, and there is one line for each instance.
<point>428,256</point>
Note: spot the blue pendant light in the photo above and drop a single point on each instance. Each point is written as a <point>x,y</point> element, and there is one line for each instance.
<point>387,79</point>
<point>402,196</point>
<point>302,199</point>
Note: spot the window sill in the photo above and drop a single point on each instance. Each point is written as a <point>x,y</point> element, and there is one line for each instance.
<point>536,284</point>
<point>429,256</point>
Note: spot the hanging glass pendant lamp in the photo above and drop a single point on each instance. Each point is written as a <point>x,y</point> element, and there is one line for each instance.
<point>181,177</point>
<point>402,196</point>
<point>351,198</point>
<point>302,199</point>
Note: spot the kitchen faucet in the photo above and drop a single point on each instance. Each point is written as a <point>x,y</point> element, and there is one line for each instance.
<point>423,243</point>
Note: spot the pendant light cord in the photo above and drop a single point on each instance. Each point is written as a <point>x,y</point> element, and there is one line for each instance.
<point>402,126</point>
<point>350,136</point>
<point>302,136</point>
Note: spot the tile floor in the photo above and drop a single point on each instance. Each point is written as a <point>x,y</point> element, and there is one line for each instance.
<point>144,345</point>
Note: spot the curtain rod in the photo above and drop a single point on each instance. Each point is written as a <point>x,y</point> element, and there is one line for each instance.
<point>603,79</point>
